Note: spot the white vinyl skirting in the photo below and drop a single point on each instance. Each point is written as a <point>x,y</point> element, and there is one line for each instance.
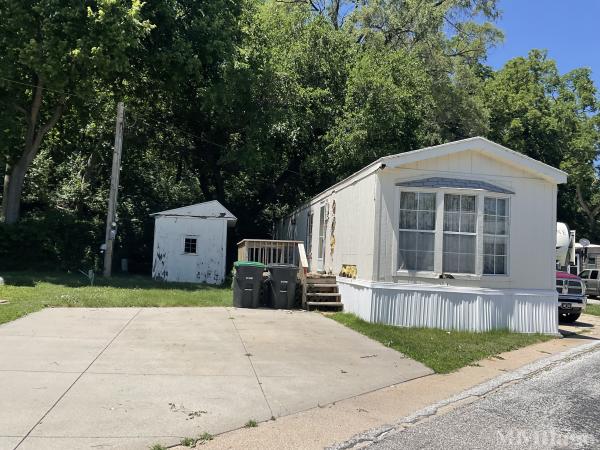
<point>451,308</point>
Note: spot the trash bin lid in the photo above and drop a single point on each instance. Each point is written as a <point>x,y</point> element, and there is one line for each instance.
<point>248,264</point>
<point>282,266</point>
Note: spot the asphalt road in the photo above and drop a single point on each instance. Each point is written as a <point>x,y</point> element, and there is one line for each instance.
<point>556,409</point>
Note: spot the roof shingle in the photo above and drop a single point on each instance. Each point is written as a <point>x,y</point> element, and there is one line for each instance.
<point>441,182</point>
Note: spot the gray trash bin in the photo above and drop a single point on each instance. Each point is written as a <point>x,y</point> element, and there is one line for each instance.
<point>247,283</point>
<point>282,285</point>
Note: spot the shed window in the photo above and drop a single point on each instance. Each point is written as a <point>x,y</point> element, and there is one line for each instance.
<point>189,245</point>
<point>495,236</point>
<point>460,233</point>
<point>416,244</point>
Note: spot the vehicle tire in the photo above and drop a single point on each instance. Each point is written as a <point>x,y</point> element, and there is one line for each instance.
<point>568,317</point>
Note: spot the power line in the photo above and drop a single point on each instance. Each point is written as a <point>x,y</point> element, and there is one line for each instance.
<point>98,103</point>
<point>94,102</point>
<point>43,88</point>
<point>159,122</point>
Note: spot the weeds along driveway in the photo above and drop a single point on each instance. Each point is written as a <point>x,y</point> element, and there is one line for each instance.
<point>131,377</point>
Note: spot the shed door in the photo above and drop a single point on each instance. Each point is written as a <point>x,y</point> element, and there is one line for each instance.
<point>322,231</point>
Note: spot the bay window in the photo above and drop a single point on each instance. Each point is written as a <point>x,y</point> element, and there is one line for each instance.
<point>453,232</point>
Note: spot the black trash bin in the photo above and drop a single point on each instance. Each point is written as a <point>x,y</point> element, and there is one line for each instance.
<point>247,283</point>
<point>282,285</point>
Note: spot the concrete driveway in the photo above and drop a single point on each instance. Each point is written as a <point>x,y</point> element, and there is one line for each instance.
<point>129,377</point>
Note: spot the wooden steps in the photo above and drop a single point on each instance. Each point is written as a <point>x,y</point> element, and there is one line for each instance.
<point>323,285</point>
<point>325,304</point>
<point>322,293</point>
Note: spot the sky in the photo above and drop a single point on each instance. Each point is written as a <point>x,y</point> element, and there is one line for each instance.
<point>568,29</point>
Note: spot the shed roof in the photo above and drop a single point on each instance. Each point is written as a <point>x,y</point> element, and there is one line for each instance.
<point>206,210</point>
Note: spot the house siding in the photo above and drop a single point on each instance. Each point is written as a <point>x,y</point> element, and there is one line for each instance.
<point>366,235</point>
<point>532,219</point>
<point>354,219</point>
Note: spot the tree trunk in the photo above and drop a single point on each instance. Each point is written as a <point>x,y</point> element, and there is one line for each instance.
<point>334,13</point>
<point>219,184</point>
<point>591,212</point>
<point>6,185</point>
<point>13,188</point>
<point>204,185</point>
<point>15,175</point>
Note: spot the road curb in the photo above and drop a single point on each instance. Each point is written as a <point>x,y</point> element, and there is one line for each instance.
<point>481,390</point>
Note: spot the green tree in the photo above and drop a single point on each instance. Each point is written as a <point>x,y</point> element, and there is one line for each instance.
<point>387,102</point>
<point>53,53</point>
<point>417,79</point>
<point>552,118</point>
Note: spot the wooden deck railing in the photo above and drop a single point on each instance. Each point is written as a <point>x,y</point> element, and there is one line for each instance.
<point>269,252</point>
<point>276,252</point>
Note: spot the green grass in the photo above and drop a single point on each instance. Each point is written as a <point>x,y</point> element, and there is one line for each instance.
<point>29,292</point>
<point>442,351</point>
<point>158,447</point>
<point>251,424</point>
<point>189,442</point>
<point>206,436</point>
<point>592,309</point>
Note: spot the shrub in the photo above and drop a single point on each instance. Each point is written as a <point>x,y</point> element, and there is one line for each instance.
<point>58,241</point>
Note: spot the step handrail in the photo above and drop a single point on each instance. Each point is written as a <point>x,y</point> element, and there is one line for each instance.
<point>302,272</point>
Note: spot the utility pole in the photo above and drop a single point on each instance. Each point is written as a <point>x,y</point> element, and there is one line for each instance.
<point>111,224</point>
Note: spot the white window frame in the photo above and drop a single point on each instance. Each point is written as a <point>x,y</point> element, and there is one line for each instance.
<point>434,231</point>
<point>461,233</point>
<point>309,233</point>
<point>189,236</point>
<point>439,233</point>
<point>507,236</point>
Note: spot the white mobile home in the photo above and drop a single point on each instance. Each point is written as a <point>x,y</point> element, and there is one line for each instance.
<point>190,243</point>
<point>457,236</point>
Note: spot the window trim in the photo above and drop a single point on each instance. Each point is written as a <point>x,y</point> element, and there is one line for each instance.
<point>309,233</point>
<point>439,232</point>
<point>507,236</point>
<point>416,230</point>
<point>186,237</point>
<point>462,233</point>
<point>395,252</point>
